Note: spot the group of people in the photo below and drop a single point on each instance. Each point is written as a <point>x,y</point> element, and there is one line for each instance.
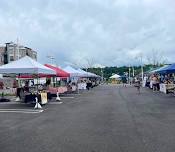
<point>152,81</point>
<point>155,80</point>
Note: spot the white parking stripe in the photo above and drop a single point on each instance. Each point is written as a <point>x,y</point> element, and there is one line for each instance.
<point>74,94</point>
<point>9,103</point>
<point>55,103</point>
<point>67,97</point>
<point>20,111</point>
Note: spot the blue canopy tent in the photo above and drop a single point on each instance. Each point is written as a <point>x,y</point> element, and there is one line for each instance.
<point>167,69</point>
<point>158,70</point>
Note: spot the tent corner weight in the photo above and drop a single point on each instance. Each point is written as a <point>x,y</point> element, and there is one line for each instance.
<point>37,105</point>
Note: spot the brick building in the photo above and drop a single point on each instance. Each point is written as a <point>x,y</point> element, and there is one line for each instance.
<point>11,52</point>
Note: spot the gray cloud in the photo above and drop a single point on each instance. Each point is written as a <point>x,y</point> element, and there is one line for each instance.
<point>111,32</point>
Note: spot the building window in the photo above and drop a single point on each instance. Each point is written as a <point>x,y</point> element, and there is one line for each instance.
<point>11,58</point>
<point>11,51</point>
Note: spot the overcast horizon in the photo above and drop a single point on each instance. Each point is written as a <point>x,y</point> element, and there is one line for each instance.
<point>75,32</point>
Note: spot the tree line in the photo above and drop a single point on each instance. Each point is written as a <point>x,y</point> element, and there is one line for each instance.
<point>122,71</point>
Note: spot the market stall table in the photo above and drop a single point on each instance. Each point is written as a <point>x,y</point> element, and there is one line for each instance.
<point>165,87</point>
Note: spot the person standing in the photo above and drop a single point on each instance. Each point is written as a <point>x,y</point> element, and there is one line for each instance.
<point>124,81</point>
<point>154,81</point>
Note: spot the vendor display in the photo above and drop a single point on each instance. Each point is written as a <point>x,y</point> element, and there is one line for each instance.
<point>36,83</point>
<point>26,65</point>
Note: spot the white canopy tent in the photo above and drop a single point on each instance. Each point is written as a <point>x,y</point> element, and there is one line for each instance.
<point>91,74</point>
<point>25,65</point>
<point>73,72</point>
<point>87,74</point>
<point>115,76</point>
<point>84,73</point>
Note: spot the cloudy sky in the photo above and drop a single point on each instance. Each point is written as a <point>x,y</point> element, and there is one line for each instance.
<point>104,32</point>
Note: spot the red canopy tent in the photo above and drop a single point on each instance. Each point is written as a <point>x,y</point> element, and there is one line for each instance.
<point>59,73</point>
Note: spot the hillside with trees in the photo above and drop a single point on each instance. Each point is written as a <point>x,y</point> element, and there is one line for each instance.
<point>108,71</point>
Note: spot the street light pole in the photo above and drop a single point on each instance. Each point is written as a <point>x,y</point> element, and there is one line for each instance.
<point>139,57</point>
<point>102,74</point>
<point>142,67</point>
<point>129,74</point>
<point>51,59</point>
<point>133,72</point>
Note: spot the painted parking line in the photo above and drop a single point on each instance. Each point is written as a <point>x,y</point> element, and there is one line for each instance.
<point>74,94</point>
<point>55,103</point>
<point>67,97</point>
<point>20,111</point>
<point>11,103</point>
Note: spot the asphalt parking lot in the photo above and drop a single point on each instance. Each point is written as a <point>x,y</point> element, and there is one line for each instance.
<point>108,118</point>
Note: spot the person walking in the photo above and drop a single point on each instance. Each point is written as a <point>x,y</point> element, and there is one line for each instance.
<point>138,85</point>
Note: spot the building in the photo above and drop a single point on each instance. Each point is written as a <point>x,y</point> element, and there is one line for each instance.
<point>12,52</point>
<point>2,52</point>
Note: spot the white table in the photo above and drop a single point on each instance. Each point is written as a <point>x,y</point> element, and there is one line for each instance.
<point>82,86</point>
<point>165,87</point>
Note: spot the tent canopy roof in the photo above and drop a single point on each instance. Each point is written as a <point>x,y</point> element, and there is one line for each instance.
<point>87,74</point>
<point>71,69</point>
<point>73,72</point>
<point>82,71</point>
<point>115,76</point>
<point>25,65</point>
<point>167,69</point>
<point>158,69</point>
<point>59,72</point>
